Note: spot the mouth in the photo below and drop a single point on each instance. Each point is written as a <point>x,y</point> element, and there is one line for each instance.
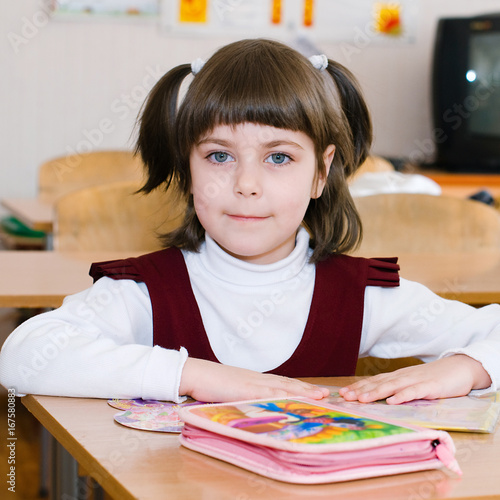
<point>246,218</point>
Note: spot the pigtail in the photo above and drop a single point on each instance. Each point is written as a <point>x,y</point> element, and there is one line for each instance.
<point>333,219</point>
<point>156,143</point>
<point>356,113</point>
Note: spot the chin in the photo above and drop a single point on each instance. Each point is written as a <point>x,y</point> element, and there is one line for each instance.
<point>243,253</point>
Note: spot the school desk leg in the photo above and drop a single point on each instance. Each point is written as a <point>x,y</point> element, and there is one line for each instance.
<point>66,483</point>
<point>64,474</point>
<point>45,454</point>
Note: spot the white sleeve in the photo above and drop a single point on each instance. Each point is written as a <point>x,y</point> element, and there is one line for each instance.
<point>412,321</point>
<point>97,344</point>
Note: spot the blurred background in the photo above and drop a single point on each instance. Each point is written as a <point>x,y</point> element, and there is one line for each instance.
<point>76,83</point>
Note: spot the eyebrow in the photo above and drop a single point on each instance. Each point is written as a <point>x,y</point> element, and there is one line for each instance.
<point>283,142</point>
<point>213,140</point>
<point>270,144</point>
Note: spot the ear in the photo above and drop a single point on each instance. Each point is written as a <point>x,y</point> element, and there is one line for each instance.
<point>321,180</point>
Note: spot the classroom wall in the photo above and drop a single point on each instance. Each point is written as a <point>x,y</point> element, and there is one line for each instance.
<point>74,86</point>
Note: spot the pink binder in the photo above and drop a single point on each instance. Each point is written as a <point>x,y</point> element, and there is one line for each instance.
<point>305,441</point>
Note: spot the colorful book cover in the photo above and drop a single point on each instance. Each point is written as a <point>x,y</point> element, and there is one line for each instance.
<point>298,421</point>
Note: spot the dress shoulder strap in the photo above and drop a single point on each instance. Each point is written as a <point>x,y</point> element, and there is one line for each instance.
<point>131,268</point>
<point>383,272</point>
<point>330,344</point>
<point>177,319</point>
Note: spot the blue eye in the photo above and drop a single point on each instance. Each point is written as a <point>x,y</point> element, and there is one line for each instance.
<point>278,158</point>
<point>220,157</point>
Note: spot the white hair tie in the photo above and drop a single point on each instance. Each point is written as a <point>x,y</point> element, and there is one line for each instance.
<point>196,65</point>
<point>319,62</point>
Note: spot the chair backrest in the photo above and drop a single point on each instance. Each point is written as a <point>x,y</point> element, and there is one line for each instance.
<point>373,163</point>
<point>66,174</point>
<point>115,217</point>
<point>399,223</point>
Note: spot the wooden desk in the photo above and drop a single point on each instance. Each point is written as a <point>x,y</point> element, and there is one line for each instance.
<point>43,279</point>
<point>461,185</point>
<point>470,278</point>
<point>132,464</point>
<point>33,212</point>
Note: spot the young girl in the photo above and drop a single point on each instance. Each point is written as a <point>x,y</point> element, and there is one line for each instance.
<point>254,287</point>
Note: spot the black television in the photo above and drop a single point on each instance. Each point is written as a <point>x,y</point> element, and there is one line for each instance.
<point>466,94</point>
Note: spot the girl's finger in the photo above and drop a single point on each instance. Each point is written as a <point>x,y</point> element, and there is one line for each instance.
<point>410,393</point>
<point>377,388</point>
<point>299,388</point>
<point>353,391</point>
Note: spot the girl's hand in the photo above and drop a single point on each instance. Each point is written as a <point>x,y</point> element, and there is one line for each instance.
<point>448,377</point>
<point>214,382</point>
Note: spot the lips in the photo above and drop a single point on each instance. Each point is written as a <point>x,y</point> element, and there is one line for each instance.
<point>247,218</point>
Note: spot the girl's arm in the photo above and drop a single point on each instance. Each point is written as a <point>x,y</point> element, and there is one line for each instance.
<point>99,344</point>
<point>412,321</point>
<point>208,381</point>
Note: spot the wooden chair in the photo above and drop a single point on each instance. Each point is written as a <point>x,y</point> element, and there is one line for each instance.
<point>65,174</point>
<point>115,217</point>
<point>62,175</point>
<point>373,163</point>
<point>419,223</point>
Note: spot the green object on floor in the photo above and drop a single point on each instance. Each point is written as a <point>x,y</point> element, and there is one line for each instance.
<point>15,227</point>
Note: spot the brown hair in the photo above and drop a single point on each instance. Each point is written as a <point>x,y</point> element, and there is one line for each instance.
<point>265,82</point>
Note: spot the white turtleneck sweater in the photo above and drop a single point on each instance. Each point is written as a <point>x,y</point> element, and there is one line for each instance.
<point>255,314</point>
<point>99,343</point>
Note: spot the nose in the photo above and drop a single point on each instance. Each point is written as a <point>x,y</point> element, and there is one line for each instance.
<point>247,179</point>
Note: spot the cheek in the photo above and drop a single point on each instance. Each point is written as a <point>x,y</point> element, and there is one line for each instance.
<point>207,199</point>
<point>203,209</point>
<point>300,200</point>
<point>208,187</point>
<point>201,201</point>
<point>293,207</point>
<point>298,191</point>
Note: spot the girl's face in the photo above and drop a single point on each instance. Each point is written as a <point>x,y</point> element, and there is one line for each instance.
<point>251,186</point>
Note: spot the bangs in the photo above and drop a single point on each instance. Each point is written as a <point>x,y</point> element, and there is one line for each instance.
<point>256,103</point>
<point>257,86</point>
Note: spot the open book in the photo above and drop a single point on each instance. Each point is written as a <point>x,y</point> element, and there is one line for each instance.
<point>464,414</point>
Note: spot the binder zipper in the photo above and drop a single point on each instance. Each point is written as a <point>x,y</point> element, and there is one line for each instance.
<point>445,455</point>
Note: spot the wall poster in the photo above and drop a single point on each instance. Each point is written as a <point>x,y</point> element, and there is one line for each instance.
<point>318,20</point>
<point>109,8</point>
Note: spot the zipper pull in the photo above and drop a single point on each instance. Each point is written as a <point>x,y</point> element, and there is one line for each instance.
<point>446,456</point>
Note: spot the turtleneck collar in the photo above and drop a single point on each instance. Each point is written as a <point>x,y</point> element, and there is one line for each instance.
<point>227,268</point>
